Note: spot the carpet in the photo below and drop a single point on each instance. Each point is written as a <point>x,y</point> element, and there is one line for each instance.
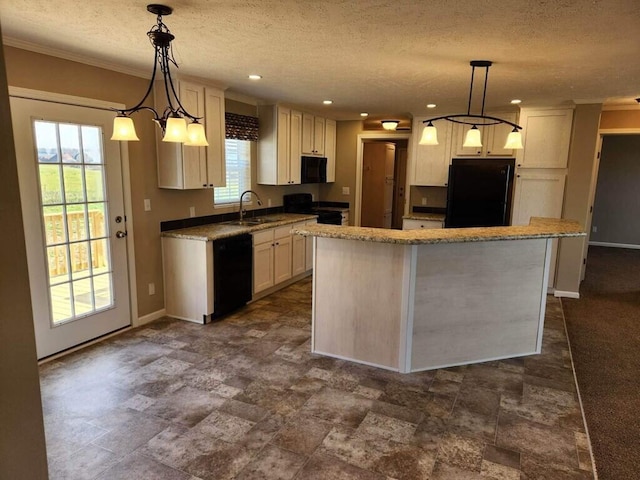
<point>604,332</point>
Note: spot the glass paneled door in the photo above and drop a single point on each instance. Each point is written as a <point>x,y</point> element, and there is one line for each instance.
<point>75,227</point>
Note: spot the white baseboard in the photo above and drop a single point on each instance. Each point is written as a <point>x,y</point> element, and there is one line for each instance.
<point>615,245</point>
<point>564,294</point>
<point>150,317</point>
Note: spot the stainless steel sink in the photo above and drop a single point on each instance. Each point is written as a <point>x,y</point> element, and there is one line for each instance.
<point>245,223</point>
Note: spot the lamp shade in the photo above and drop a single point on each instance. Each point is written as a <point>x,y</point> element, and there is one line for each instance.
<point>429,135</point>
<point>473,138</point>
<point>514,140</point>
<point>197,137</point>
<point>124,130</point>
<point>175,130</point>
<point>390,124</point>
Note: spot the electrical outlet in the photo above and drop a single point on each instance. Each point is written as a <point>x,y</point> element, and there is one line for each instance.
<point>147,204</point>
<point>152,289</point>
<point>594,229</point>
<point>268,202</point>
<point>192,212</point>
<point>424,200</point>
<point>346,191</point>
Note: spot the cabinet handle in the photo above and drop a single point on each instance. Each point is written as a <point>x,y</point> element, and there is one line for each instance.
<point>519,164</point>
<point>211,184</point>
<point>518,176</point>
<point>204,185</point>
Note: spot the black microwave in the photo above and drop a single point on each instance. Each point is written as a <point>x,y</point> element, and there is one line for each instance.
<point>314,170</point>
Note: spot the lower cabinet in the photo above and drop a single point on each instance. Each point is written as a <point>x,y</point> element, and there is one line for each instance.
<point>272,257</point>
<point>309,247</point>
<point>411,224</point>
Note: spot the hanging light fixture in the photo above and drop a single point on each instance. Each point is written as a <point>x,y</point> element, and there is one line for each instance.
<point>473,138</point>
<point>390,124</point>
<point>174,118</point>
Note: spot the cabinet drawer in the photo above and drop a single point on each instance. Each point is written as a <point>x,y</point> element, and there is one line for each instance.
<point>409,224</point>
<point>282,232</point>
<point>263,236</point>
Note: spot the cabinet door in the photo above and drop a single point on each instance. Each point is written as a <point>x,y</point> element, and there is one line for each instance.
<point>496,136</point>
<point>194,159</point>
<point>295,135</point>
<point>430,163</point>
<point>537,194</point>
<point>330,148</point>
<point>299,255</point>
<point>282,259</point>
<point>262,266</point>
<point>318,135</point>
<point>307,133</point>
<point>546,135</point>
<point>215,129</point>
<point>283,126</point>
<point>309,248</point>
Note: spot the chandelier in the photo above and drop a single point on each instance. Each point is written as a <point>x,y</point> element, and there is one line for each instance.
<point>174,118</point>
<point>473,138</point>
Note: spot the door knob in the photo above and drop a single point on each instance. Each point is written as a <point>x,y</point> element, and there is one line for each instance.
<point>121,234</point>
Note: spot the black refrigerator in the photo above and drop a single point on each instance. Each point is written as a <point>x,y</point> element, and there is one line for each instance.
<point>479,192</point>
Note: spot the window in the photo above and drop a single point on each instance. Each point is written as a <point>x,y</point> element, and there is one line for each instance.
<point>238,162</point>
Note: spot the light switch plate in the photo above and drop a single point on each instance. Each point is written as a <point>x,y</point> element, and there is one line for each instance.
<point>346,191</point>
<point>192,212</point>
<point>424,200</point>
<point>147,204</point>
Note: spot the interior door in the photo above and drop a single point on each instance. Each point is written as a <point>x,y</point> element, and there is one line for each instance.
<point>72,199</point>
<point>377,184</point>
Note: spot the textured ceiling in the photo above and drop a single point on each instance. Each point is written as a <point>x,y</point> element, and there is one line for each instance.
<point>383,57</point>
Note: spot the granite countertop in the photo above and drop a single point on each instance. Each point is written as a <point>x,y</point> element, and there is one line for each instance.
<point>538,228</point>
<point>437,217</point>
<point>216,231</point>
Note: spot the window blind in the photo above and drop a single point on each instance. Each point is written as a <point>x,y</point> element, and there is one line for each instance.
<point>238,166</point>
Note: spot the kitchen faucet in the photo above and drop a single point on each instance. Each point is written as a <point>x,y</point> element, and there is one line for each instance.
<point>242,212</point>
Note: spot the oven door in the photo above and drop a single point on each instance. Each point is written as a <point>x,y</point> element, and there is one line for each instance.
<point>314,170</point>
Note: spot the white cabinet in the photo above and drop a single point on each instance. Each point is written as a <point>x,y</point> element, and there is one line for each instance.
<point>279,147</point>
<point>546,135</point>
<point>272,257</point>
<point>183,167</point>
<point>493,138</point>
<point>430,163</point>
<point>330,148</point>
<point>309,248</point>
<point>537,194</point>
<point>188,278</point>
<point>313,128</point>
<point>411,224</point>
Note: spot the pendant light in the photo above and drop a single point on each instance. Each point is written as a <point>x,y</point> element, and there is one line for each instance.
<point>473,137</point>
<point>175,119</point>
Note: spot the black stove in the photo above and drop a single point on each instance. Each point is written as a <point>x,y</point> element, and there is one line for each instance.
<point>303,203</point>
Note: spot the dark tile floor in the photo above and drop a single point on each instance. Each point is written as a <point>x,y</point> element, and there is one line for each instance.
<point>244,399</point>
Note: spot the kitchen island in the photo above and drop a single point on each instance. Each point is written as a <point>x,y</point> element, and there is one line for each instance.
<point>412,300</point>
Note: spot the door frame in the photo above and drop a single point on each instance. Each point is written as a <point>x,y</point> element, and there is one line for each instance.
<point>362,137</point>
<point>60,98</point>
<point>602,132</point>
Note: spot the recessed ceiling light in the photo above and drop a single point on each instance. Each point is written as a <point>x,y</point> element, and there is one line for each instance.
<point>255,77</point>
<point>327,102</point>
<point>515,101</point>
<point>431,105</point>
<point>364,114</point>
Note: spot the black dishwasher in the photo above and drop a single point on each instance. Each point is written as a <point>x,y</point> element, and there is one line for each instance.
<point>232,273</point>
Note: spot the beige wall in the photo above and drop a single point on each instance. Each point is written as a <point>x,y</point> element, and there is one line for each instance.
<point>620,119</point>
<point>22,445</point>
<point>436,196</point>
<point>25,69</point>
<point>577,199</point>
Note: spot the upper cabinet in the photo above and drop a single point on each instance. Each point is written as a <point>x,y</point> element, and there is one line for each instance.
<point>430,163</point>
<point>183,167</point>
<point>279,147</point>
<point>330,148</point>
<point>493,138</point>
<point>313,133</point>
<point>546,135</point>
<point>281,144</point>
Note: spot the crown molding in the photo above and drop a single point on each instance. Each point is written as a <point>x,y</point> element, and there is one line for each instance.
<point>74,57</point>
<point>620,107</point>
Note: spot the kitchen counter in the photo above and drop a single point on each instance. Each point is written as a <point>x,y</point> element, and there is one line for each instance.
<point>537,228</point>
<point>417,300</point>
<point>436,217</point>
<point>216,231</point>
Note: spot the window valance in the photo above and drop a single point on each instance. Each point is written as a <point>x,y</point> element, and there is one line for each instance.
<point>241,127</point>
